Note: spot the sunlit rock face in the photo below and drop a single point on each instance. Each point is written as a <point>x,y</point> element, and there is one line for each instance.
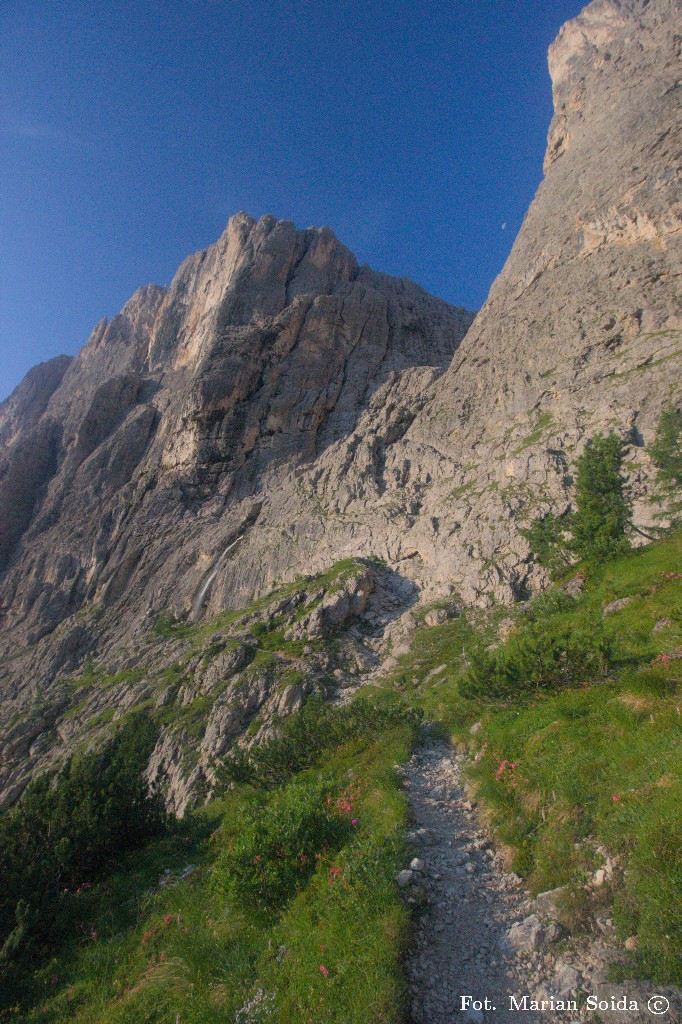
<point>123,472</point>
<point>580,333</point>
<point>280,394</point>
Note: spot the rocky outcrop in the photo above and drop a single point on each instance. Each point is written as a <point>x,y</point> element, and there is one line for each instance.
<point>27,403</point>
<point>24,473</point>
<point>209,689</point>
<point>335,609</point>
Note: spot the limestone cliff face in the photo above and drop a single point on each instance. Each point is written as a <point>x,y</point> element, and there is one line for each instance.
<point>581,333</point>
<point>280,396</point>
<point>126,472</point>
<point>33,445</point>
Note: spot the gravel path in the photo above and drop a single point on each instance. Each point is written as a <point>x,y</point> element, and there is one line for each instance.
<point>471,904</point>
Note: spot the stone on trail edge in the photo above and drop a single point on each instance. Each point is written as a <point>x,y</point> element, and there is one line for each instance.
<point>482,935</point>
<point>462,944</point>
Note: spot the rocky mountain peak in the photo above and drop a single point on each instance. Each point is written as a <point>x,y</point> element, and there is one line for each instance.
<point>253,271</point>
<point>265,349</point>
<point>27,403</point>
<point>587,38</point>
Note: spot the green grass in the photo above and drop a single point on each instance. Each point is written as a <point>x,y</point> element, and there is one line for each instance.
<point>542,425</point>
<point>648,366</point>
<point>428,673</point>
<point>355,927</point>
<point>458,492</point>
<point>135,954</point>
<point>597,761</point>
<point>198,633</point>
<point>602,762</point>
<point>271,652</point>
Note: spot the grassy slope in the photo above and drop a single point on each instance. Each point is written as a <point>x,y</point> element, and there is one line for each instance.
<point>272,650</point>
<point>133,953</point>
<point>599,763</point>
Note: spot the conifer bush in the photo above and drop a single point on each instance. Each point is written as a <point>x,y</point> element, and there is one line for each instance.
<point>303,737</point>
<point>548,543</point>
<point>597,529</point>
<point>666,454</point>
<point>543,656</point>
<point>68,829</point>
<point>603,512</point>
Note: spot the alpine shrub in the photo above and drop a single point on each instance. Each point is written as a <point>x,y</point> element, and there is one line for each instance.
<point>596,530</point>
<point>666,454</point>
<point>547,540</point>
<point>317,727</point>
<point>69,826</point>
<point>541,657</point>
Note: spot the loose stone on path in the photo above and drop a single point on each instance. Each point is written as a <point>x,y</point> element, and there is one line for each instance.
<point>462,955</point>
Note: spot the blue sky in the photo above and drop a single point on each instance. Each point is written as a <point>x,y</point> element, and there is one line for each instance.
<point>131,131</point>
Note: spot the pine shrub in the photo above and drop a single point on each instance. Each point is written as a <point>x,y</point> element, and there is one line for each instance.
<point>69,826</point>
<point>542,656</point>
